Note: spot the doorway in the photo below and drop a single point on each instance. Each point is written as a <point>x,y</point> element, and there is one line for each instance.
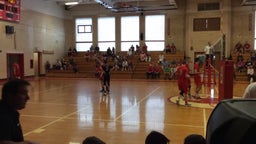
<point>37,63</point>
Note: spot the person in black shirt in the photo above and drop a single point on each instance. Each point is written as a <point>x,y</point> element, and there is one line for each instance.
<point>14,98</point>
<point>106,68</point>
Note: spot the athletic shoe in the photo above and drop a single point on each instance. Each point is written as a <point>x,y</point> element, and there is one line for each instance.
<point>177,102</point>
<point>187,105</point>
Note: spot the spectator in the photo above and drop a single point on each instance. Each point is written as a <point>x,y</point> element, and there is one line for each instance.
<point>157,70</point>
<point>93,140</point>
<point>168,49</point>
<point>250,91</point>
<point>155,137</point>
<point>150,71</point>
<point>194,139</point>
<point>161,58</point>
<point>47,66</point>
<point>173,48</point>
<point>14,98</point>
<point>250,73</point>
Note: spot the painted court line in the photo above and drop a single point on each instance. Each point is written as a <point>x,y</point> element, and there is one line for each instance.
<point>40,129</point>
<point>136,104</point>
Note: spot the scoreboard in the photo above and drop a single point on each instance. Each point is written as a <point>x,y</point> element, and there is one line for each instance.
<point>10,10</point>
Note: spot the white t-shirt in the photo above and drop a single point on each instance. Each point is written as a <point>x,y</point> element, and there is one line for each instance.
<point>208,49</point>
<point>250,91</point>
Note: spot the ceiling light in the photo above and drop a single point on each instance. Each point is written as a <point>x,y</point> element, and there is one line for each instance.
<point>71,3</point>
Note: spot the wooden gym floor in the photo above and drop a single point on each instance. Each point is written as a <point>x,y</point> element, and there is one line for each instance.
<point>66,110</point>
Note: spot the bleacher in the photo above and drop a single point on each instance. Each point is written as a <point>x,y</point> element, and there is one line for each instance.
<point>86,69</point>
<point>241,76</point>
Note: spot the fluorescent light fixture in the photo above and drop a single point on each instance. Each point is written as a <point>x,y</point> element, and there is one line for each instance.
<point>71,3</point>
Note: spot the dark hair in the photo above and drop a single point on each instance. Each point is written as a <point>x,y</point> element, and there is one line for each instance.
<point>155,137</point>
<point>11,87</point>
<point>93,140</point>
<point>194,139</point>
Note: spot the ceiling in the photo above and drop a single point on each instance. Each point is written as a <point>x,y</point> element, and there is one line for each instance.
<point>126,5</point>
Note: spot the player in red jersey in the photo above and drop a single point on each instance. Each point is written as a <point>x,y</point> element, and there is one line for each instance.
<point>183,83</point>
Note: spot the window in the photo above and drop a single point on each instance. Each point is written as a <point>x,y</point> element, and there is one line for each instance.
<point>130,27</point>
<point>106,33</point>
<point>255,33</point>
<point>155,32</point>
<point>83,34</point>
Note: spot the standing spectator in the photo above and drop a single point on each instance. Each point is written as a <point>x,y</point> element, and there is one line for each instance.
<point>47,66</point>
<point>113,51</point>
<point>14,98</point>
<point>97,49</point>
<point>16,71</point>
<point>132,49</point>
<point>92,50</point>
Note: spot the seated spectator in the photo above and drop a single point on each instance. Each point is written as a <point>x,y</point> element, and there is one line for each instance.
<point>156,71</point>
<point>155,137</point>
<point>173,72</point>
<point>250,73</point>
<point>173,48</point>
<point>150,71</point>
<point>238,47</point>
<point>97,49</point>
<point>167,72</point>
<point>240,57</point>
<point>143,57</point>
<point>194,139</point>
<point>246,47</point>
<point>70,52</point>
<point>93,140</point>
<point>74,51</point>
<point>168,49</point>
<point>87,55</point>
<point>125,65</point>
<point>149,58</point>
<point>161,58</point>
<point>240,66</point>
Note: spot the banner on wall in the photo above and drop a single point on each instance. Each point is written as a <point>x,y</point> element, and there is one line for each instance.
<point>10,10</point>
